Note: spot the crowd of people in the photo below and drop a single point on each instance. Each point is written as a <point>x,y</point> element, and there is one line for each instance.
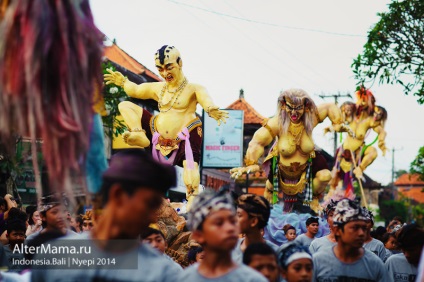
<point>229,236</point>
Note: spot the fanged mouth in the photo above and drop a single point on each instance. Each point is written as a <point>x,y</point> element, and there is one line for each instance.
<point>294,117</point>
<point>169,78</point>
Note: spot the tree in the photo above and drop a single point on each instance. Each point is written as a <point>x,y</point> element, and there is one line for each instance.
<point>417,165</point>
<point>394,52</point>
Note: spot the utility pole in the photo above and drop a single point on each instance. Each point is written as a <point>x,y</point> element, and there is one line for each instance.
<point>393,165</point>
<point>336,97</point>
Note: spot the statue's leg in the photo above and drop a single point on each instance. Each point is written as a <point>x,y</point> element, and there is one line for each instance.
<point>191,178</point>
<point>369,156</point>
<point>132,115</point>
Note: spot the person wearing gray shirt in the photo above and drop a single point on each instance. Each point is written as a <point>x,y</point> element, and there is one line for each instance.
<point>237,253</point>
<point>213,222</point>
<point>403,267</point>
<point>328,267</point>
<point>348,261</point>
<point>320,244</point>
<point>239,273</point>
<point>400,269</point>
<point>329,240</point>
<point>377,247</point>
<point>253,213</point>
<point>132,193</point>
<point>312,227</point>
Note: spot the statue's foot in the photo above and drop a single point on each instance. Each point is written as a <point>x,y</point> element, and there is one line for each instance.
<point>190,200</point>
<point>138,139</point>
<point>358,172</point>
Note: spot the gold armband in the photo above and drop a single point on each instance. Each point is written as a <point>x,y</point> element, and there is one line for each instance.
<point>249,162</point>
<point>265,125</point>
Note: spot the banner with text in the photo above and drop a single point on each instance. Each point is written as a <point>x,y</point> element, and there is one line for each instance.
<point>223,145</point>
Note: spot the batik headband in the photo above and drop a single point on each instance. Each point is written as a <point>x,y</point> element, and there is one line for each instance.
<point>255,205</point>
<point>290,252</point>
<point>204,204</point>
<point>347,210</point>
<point>330,207</point>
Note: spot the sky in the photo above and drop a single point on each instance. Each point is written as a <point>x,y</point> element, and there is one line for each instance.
<point>264,47</point>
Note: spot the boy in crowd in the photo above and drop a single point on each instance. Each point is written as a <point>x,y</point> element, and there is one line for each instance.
<point>195,254</point>
<point>156,240</point>
<point>295,262</point>
<point>312,227</point>
<point>253,212</point>
<point>403,266</point>
<point>212,220</point>
<point>348,260</point>
<point>262,258</point>
<point>132,192</point>
<point>329,240</point>
<point>373,245</point>
<point>16,229</point>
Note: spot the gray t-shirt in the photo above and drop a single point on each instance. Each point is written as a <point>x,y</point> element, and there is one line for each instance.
<point>241,273</point>
<point>151,266</point>
<point>377,247</point>
<point>10,255</point>
<point>304,240</point>
<point>327,267</point>
<point>400,269</point>
<point>320,243</point>
<point>237,254</point>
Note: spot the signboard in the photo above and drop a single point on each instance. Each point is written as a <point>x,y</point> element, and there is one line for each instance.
<point>223,145</point>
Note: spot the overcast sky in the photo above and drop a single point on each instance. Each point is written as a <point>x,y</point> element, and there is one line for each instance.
<point>265,47</point>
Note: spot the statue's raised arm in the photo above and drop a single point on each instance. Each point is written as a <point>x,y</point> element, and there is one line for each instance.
<point>262,137</point>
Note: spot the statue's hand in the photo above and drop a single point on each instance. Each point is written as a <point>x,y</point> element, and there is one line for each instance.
<point>114,77</point>
<point>239,171</point>
<point>217,114</point>
<point>328,129</point>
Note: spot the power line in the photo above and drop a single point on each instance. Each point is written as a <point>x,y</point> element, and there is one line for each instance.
<point>293,56</point>
<point>265,23</point>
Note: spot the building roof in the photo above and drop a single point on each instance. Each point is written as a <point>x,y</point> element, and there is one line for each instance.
<point>251,116</point>
<point>408,179</point>
<point>120,57</point>
<point>416,194</point>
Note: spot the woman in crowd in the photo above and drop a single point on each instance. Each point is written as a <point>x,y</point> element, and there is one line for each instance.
<point>34,220</point>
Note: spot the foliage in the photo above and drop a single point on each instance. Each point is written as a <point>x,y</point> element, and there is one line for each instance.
<point>417,166</point>
<point>392,208</point>
<point>112,95</point>
<point>394,52</point>
<point>400,172</point>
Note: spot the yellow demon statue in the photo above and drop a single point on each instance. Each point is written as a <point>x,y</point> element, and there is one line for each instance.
<point>175,133</point>
<point>296,168</point>
<point>354,156</point>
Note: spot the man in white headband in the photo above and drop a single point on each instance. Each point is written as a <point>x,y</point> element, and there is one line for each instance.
<point>348,260</point>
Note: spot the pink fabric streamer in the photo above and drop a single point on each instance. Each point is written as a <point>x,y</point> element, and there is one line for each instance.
<point>185,135</point>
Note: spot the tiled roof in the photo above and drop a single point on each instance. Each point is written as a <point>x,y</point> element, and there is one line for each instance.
<point>250,114</point>
<point>119,56</point>
<point>415,193</point>
<point>409,180</point>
